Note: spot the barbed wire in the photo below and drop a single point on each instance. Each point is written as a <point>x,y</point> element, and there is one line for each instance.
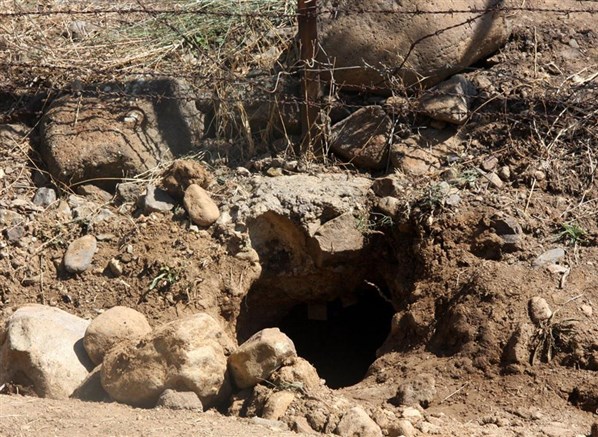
<point>332,11</point>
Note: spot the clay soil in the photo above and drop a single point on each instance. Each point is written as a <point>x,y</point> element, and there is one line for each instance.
<point>459,293</point>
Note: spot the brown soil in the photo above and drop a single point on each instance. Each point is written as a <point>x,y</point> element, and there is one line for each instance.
<point>458,290</point>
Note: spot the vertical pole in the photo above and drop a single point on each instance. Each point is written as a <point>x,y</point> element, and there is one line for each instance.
<point>310,83</point>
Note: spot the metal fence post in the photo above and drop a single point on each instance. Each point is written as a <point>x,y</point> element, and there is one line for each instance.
<point>310,83</point>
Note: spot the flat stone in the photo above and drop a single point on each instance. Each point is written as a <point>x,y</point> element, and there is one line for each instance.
<point>551,256</point>
<point>157,200</point>
<point>44,197</point>
<point>79,255</point>
<point>15,233</point>
<point>179,400</point>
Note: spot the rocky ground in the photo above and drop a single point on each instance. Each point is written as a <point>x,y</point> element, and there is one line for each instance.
<point>447,286</point>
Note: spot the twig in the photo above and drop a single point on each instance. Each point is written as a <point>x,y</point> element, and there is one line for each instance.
<point>455,392</point>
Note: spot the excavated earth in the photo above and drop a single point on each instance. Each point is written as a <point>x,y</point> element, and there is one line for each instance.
<point>416,308</point>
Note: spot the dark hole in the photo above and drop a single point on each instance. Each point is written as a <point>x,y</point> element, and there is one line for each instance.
<point>340,338</point>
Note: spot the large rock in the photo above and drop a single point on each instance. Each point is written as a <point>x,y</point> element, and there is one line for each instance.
<point>187,355</point>
<point>113,326</point>
<point>413,46</point>
<point>42,346</point>
<point>126,130</point>
<point>357,423</point>
<point>362,138</point>
<point>258,357</point>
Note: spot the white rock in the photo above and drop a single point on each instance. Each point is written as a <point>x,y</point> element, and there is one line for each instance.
<point>44,344</point>
<point>258,357</point>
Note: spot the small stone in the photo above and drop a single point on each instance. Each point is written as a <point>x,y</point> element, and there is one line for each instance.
<point>419,390</point>
<point>490,164</point>
<point>504,173</point>
<point>44,197</point>
<point>115,267</point>
<point>587,310</point>
<point>357,423</point>
<point>453,200</point>
<point>573,43</point>
<point>449,101</point>
<point>494,179</point>
<point>403,428</point>
<point>277,405</point>
<point>551,256</point>
<point>273,425</point>
<point>412,413</point>
<point>202,210</point>
<point>539,310</point>
<point>274,172</point>
<point>389,206</point>
<point>157,200</point>
<point>539,175</point>
<point>179,400</point>
<point>129,191</point>
<point>79,254</point>
<point>15,233</point>
<point>301,426</point>
<point>243,172</point>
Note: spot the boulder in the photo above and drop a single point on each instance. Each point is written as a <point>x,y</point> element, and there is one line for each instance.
<point>42,347</point>
<point>357,423</point>
<point>126,130</point>
<point>79,254</point>
<point>202,210</point>
<point>258,357</point>
<point>188,354</point>
<point>299,374</point>
<point>362,138</point>
<point>413,47</point>
<point>112,327</point>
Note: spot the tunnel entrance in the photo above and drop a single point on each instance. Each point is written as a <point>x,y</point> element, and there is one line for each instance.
<point>340,338</point>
